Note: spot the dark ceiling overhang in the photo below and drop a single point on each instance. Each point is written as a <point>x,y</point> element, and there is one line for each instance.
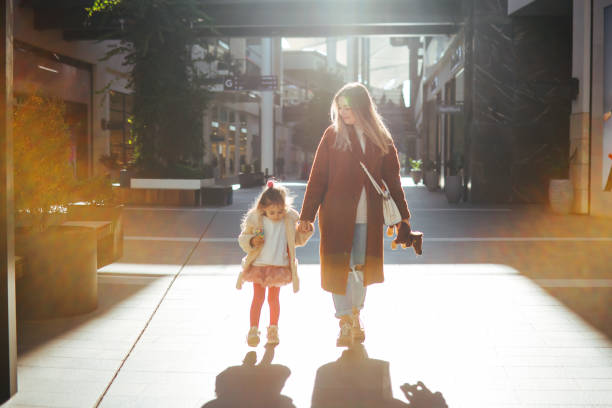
<point>555,8</point>
<point>286,18</point>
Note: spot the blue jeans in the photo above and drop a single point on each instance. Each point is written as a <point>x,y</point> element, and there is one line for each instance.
<point>355,290</point>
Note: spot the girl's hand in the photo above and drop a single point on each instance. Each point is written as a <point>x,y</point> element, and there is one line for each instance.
<point>305,226</point>
<point>257,241</point>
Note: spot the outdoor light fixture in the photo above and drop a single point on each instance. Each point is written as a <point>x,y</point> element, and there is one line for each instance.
<point>214,124</point>
<point>55,71</point>
<point>232,128</point>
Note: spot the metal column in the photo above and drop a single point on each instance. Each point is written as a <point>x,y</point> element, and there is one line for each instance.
<point>267,111</point>
<point>365,61</point>
<point>352,59</point>
<point>8,337</point>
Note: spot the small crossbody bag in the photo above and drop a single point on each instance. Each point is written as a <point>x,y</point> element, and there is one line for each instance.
<point>391,213</point>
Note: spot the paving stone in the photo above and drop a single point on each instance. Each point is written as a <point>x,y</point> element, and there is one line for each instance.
<point>468,319</point>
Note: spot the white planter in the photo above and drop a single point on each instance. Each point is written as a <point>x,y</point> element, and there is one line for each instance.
<point>453,188</point>
<point>561,196</point>
<point>431,180</point>
<point>417,176</point>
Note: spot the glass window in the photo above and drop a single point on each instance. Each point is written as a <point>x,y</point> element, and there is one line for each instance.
<point>119,124</point>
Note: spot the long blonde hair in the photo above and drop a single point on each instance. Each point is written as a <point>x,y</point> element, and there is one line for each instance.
<point>366,114</point>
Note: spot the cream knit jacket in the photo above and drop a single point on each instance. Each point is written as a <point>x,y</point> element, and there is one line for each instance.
<point>254,222</point>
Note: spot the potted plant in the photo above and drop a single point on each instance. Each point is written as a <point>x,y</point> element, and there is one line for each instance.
<point>453,182</point>
<point>60,262</point>
<point>560,188</point>
<point>430,175</point>
<point>415,170</point>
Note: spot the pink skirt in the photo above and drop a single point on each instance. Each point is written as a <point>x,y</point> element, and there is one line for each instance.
<point>268,275</point>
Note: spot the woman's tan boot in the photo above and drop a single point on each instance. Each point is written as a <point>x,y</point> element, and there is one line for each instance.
<point>357,331</point>
<point>345,338</point>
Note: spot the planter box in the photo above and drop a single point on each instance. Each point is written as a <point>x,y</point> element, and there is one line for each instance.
<point>217,195</point>
<point>60,277</point>
<point>110,248</point>
<point>248,180</point>
<point>171,184</point>
<point>174,192</point>
<point>561,196</point>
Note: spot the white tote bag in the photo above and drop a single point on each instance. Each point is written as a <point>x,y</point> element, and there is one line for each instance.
<point>391,213</point>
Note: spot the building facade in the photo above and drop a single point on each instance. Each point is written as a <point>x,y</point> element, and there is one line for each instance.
<point>590,134</point>
<point>495,105</point>
<point>47,64</point>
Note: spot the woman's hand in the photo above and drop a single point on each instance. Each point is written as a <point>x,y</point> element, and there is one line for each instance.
<point>305,226</point>
<point>405,221</point>
<point>401,234</point>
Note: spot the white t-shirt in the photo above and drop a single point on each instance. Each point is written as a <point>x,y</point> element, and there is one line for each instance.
<point>274,251</point>
<point>362,206</point>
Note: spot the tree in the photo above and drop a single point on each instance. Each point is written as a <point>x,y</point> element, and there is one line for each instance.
<point>156,37</point>
<point>44,174</point>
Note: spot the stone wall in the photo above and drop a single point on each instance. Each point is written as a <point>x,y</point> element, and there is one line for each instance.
<point>520,100</point>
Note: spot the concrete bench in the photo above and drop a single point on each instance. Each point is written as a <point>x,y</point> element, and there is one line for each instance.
<point>59,275</point>
<point>166,191</point>
<point>104,236</point>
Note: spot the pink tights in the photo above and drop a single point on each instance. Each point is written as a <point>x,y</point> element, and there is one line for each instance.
<point>259,294</point>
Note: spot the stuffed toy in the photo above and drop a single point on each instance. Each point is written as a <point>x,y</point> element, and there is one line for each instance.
<point>406,238</point>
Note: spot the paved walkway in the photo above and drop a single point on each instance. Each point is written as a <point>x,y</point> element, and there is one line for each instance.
<point>508,307</point>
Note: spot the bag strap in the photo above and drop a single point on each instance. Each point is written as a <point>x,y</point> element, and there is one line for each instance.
<point>374,183</point>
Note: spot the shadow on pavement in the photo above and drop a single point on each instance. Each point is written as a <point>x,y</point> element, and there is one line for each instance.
<point>32,334</point>
<point>252,385</point>
<point>357,381</point>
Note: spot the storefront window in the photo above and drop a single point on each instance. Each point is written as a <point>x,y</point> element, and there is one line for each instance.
<point>52,75</point>
<point>122,144</point>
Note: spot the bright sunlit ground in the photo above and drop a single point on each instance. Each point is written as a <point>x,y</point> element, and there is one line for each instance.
<point>507,307</point>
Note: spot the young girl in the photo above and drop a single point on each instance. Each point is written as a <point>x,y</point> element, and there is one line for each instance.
<point>269,236</point>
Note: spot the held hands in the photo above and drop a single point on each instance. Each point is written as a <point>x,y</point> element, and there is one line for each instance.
<point>406,237</point>
<point>305,226</point>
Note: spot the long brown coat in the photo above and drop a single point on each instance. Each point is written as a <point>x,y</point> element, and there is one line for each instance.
<point>334,188</point>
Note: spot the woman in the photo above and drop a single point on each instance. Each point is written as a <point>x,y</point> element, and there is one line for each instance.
<point>350,210</point>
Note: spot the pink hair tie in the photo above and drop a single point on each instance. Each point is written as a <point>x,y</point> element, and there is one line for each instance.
<point>270,184</point>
